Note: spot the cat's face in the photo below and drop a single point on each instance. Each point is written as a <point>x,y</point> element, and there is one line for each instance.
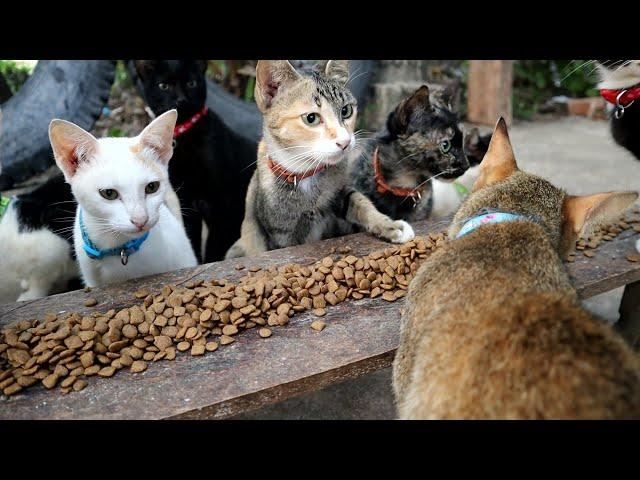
<point>617,74</point>
<point>170,84</point>
<point>502,186</point>
<point>428,137</point>
<point>310,118</point>
<point>121,182</point>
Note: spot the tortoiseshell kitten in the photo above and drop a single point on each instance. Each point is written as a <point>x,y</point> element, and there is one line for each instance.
<point>422,140</point>
<point>211,165</point>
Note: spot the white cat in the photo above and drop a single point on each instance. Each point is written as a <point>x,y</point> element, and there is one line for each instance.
<point>123,226</point>
<point>447,196</point>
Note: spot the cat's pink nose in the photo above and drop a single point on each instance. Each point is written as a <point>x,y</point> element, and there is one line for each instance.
<point>140,222</point>
<point>343,144</point>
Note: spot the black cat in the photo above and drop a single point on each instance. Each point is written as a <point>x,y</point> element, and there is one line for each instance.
<point>422,140</point>
<point>621,78</point>
<point>211,165</point>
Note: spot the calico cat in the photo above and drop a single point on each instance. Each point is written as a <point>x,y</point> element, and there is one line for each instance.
<point>422,140</point>
<point>300,191</point>
<point>123,226</point>
<point>493,328</point>
<point>616,76</point>
<point>211,165</point>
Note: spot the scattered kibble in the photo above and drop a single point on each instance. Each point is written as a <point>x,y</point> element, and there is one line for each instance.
<point>90,302</point>
<point>264,332</point>
<point>318,325</point>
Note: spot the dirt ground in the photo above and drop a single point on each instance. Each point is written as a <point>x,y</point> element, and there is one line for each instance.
<point>575,153</point>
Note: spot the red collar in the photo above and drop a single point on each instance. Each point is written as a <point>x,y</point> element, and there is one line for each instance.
<point>622,97</point>
<point>188,125</point>
<point>383,187</point>
<point>290,177</point>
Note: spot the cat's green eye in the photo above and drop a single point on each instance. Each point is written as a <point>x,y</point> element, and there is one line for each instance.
<point>445,146</point>
<point>347,111</point>
<point>192,84</point>
<point>108,193</point>
<point>312,119</point>
<point>151,187</point>
<point>163,86</point>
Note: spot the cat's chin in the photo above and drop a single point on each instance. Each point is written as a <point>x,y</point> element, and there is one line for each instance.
<point>334,159</point>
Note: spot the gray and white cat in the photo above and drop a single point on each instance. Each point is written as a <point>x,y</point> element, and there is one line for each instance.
<point>300,191</point>
<point>124,227</point>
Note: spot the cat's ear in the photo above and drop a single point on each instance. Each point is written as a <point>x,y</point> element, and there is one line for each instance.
<point>499,162</point>
<point>202,64</point>
<point>582,214</point>
<point>272,76</point>
<point>337,70</point>
<point>145,67</point>
<point>158,136</point>
<point>475,146</point>
<point>71,146</point>
<point>400,118</point>
<point>444,97</point>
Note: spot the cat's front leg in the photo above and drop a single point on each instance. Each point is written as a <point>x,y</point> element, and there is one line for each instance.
<point>363,212</point>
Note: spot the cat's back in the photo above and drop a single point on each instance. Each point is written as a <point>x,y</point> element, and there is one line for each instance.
<point>494,329</point>
<point>536,355</point>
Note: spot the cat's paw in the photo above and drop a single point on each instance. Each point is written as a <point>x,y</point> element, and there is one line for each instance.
<point>398,231</point>
<point>235,251</point>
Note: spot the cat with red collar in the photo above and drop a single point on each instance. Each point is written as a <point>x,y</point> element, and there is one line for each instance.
<point>620,85</point>
<point>211,165</point>
<point>300,191</point>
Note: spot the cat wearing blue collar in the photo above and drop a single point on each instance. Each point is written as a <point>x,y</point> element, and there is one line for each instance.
<point>493,328</point>
<point>123,228</point>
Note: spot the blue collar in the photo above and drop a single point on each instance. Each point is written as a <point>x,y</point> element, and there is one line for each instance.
<point>485,218</point>
<point>124,250</point>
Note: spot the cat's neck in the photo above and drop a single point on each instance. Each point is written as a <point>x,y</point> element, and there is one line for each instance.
<point>395,176</point>
<point>100,234</point>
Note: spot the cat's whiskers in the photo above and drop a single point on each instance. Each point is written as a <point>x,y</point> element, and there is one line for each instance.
<point>584,64</point>
<point>413,190</point>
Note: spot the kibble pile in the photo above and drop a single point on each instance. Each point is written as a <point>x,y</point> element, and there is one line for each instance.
<point>197,317</point>
<point>203,315</point>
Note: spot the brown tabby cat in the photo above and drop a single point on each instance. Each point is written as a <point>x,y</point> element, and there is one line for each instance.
<point>493,327</point>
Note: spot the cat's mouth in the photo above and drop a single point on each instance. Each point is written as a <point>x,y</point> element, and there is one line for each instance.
<point>451,174</point>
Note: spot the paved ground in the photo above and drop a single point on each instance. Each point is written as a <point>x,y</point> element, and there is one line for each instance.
<point>575,153</point>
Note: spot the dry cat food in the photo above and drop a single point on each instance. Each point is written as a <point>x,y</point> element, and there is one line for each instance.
<point>201,316</point>
<point>606,233</point>
<point>61,351</point>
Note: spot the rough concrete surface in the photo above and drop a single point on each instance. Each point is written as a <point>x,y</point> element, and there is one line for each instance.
<point>575,153</point>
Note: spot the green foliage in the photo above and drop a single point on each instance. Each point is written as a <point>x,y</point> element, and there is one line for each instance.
<point>115,132</point>
<point>122,77</point>
<point>15,73</point>
<point>536,81</point>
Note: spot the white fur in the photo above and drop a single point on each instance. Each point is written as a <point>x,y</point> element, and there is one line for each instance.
<point>446,199</point>
<point>403,234</point>
<point>126,165</point>
<point>638,245</point>
<point>33,263</point>
<point>619,76</point>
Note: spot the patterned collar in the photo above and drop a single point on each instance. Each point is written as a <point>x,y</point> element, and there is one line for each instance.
<point>490,217</point>
<point>124,250</point>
